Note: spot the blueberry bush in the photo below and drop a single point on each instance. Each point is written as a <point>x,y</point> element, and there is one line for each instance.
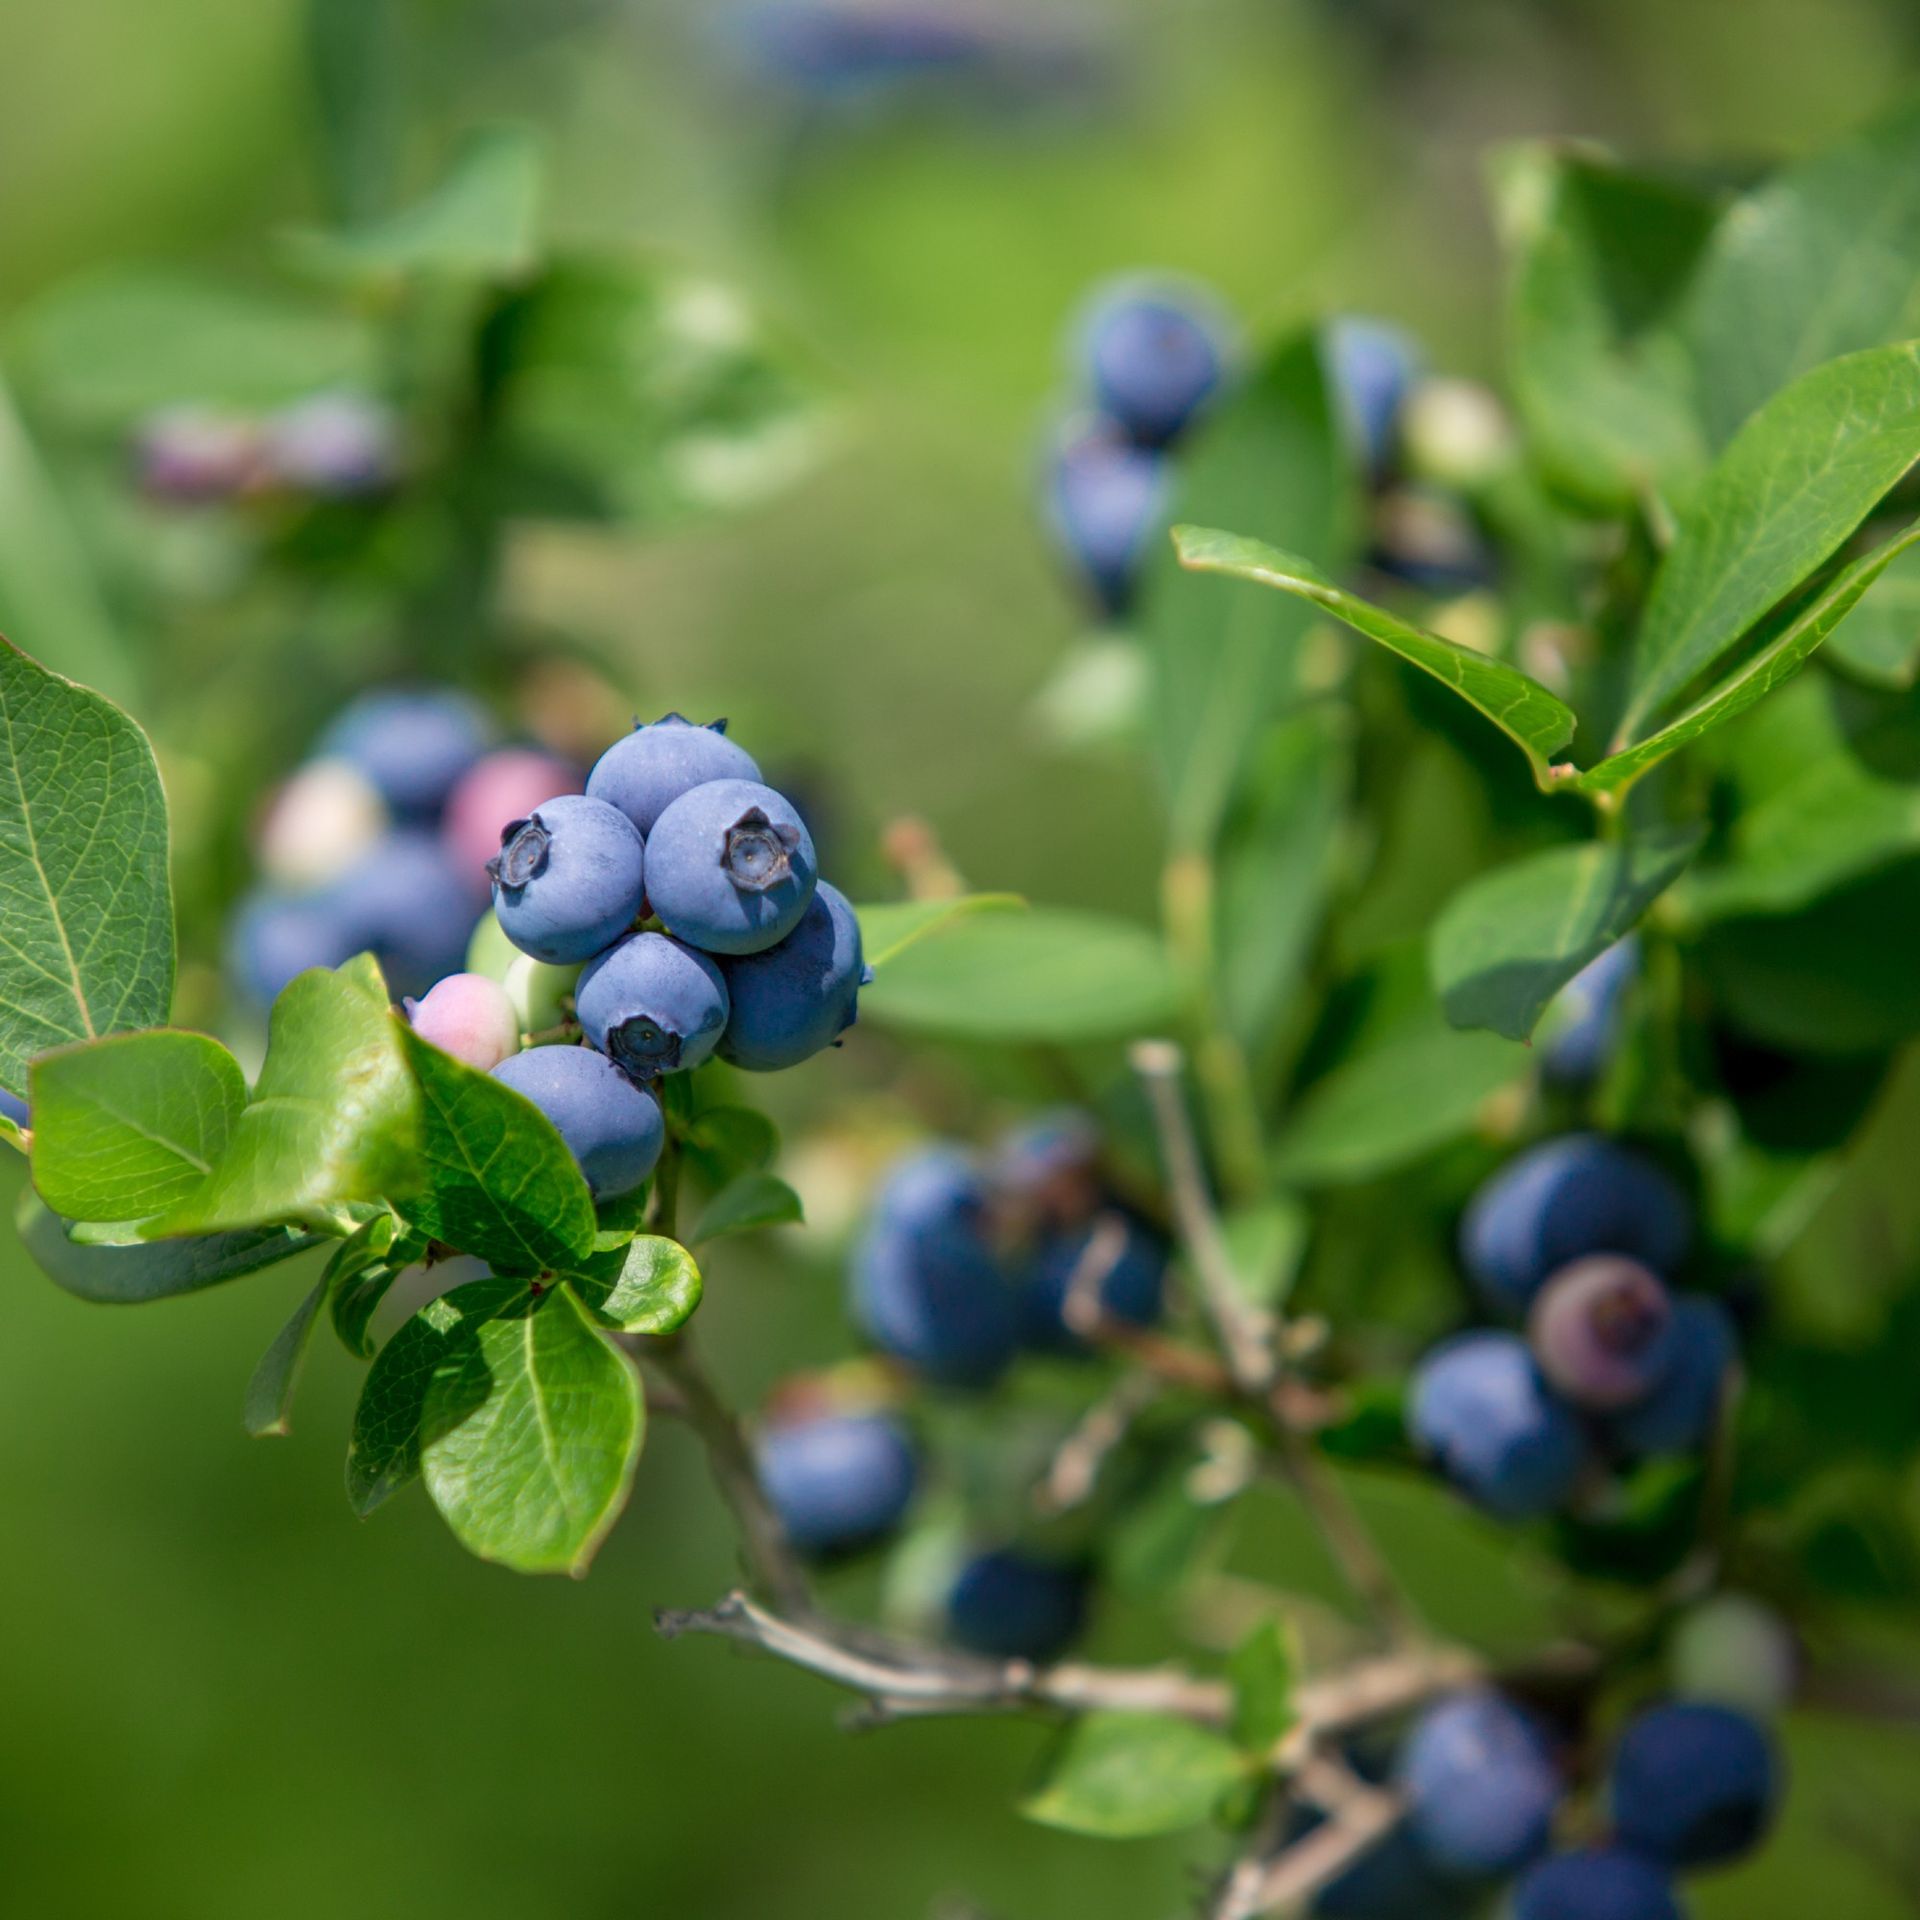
<point>1494,1189</point>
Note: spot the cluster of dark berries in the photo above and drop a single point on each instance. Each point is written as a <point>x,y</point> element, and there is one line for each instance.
<point>1575,1240</point>
<point>331,446</point>
<point>378,843</point>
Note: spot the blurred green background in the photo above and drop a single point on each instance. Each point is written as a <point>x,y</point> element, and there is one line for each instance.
<point>222,1696</point>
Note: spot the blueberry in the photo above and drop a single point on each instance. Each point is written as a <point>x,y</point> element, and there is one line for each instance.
<point>275,936</point>
<point>1602,1331</point>
<point>506,785</point>
<point>470,1017</point>
<point>1015,1607</point>
<point>839,1482</point>
<point>407,904</point>
<point>1494,1427</point>
<point>654,1004</point>
<point>730,867</point>
<point>1105,500</point>
<point>320,822</point>
<point>13,1108</point>
<point>611,1127</point>
<point>795,998</point>
<point>1155,356</point>
<point>569,879</point>
<point>1693,1785</point>
<point>1049,1170</point>
<point>334,446</point>
<point>1562,1200</point>
<point>1133,1289</point>
<point>412,743</point>
<point>194,455</point>
<point>1480,1786</point>
<point>541,996</point>
<point>644,774</point>
<point>1678,1415</point>
<point>1430,541</point>
<point>1393,1880</point>
<point>1456,433</point>
<point>927,1285</point>
<point>1599,1883</point>
<point>1372,368</point>
<point>1737,1651</point>
<point>1586,1015</point>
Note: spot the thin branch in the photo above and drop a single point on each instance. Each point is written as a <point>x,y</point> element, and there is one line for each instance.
<point>1244,1332</point>
<point>1075,1468</point>
<point>1355,1552</point>
<point>1358,1818</point>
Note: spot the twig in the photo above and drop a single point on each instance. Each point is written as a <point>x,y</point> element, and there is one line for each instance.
<point>1355,1552</point>
<point>1245,1334</point>
<point>1358,1818</point>
<point>764,1546</point>
<point>1075,1468</point>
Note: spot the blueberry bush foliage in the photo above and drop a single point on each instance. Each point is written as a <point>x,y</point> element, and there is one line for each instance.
<point>1498,1150</point>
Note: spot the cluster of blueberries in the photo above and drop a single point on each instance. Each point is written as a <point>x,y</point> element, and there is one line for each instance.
<point>330,446</point>
<point>964,1262</point>
<point>1574,1239</point>
<point>1692,1784</point>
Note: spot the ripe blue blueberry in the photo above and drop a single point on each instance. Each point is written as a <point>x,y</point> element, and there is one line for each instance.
<point>839,1482</point>
<point>730,867</point>
<point>1049,1170</point>
<point>1586,1016</point>
<point>1599,1883</point>
<point>1480,1786</point>
<point>655,764</point>
<point>1105,500</point>
<point>274,936</point>
<point>799,996</point>
<point>1394,1881</point>
<point>1693,1785</point>
<point>927,1285</point>
<point>653,1004</point>
<point>406,903</point>
<point>1132,1290</point>
<point>569,879</point>
<point>1494,1427</point>
<point>1015,1607</point>
<point>611,1127</point>
<point>1155,356</point>
<point>1602,1331</point>
<point>1373,369</point>
<point>1678,1415</point>
<point>412,743</point>
<point>14,1108</point>
<point>1562,1200</point>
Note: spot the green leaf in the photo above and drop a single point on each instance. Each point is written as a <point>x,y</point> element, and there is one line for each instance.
<point>124,1127</point>
<point>269,1405</point>
<point>481,222</point>
<point>106,349</point>
<point>1224,663</point>
<point>1263,1669</point>
<point>498,1180</point>
<point>383,1451</point>
<point>724,1142</point>
<point>1507,943</point>
<point>334,1118</point>
<point>1782,648</point>
<point>356,60</point>
<point>1798,479</point>
<point>1820,260</point>
<point>533,1431</point>
<point>1266,1242</point>
<point>654,1288</point>
<point>754,1201</point>
<point>48,587</point>
<point>132,1275</point>
<point>1879,642</point>
<point>888,931</point>
<point>1123,1776</point>
<point>361,1272</point>
<point>1047,974</point>
<point>86,911</point>
<point>1419,1087</point>
<point>1538,723</point>
<point>1601,376</point>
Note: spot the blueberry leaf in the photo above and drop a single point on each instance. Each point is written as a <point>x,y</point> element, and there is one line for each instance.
<point>653,1287</point>
<point>1800,476</point>
<point>722,1142</point>
<point>1537,722</point>
<point>86,909</point>
<point>1046,974</point>
<point>1510,940</point>
<point>269,1403</point>
<point>888,931</point>
<point>532,1430</point>
<point>360,1273</point>
<point>334,1117</point>
<point>1122,1776</point>
<point>749,1204</point>
<point>124,1127</point>
<point>495,1179</point>
<point>1263,1669</point>
<point>131,1275</point>
<point>1879,642</point>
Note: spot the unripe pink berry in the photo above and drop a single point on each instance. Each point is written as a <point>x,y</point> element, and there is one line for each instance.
<point>503,786</point>
<point>319,824</point>
<point>470,1017</point>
